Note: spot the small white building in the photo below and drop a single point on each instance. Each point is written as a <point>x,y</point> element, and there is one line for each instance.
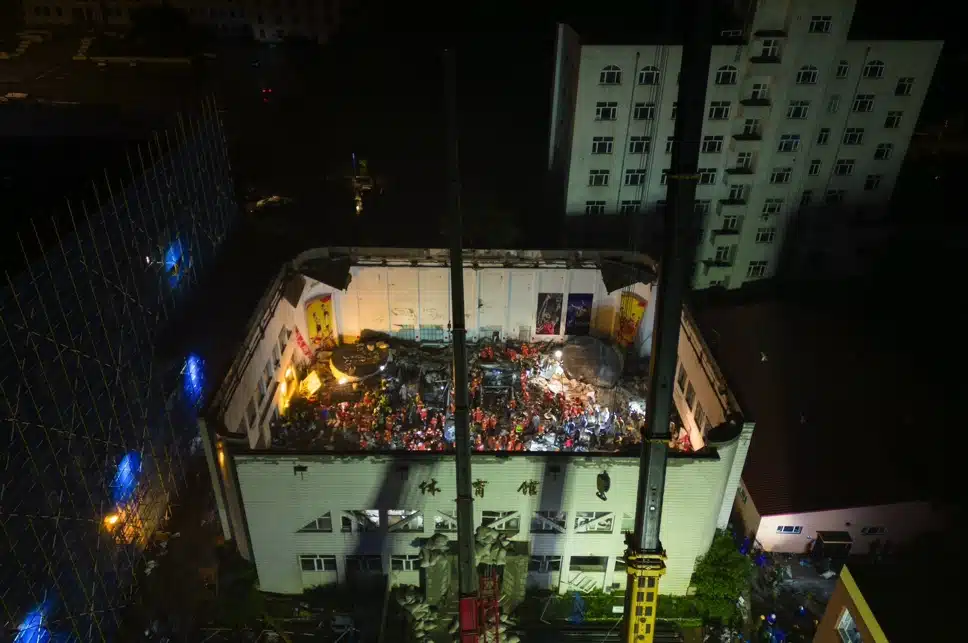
<point>798,117</point>
<point>310,518</point>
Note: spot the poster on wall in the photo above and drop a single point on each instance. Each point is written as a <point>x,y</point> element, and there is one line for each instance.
<point>578,319</point>
<point>630,315</point>
<point>319,322</point>
<point>547,321</point>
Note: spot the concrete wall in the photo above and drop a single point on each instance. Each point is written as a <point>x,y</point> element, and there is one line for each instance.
<point>848,598</point>
<point>279,501</point>
<point>903,522</point>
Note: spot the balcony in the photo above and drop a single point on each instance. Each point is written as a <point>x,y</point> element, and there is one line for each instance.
<point>753,101</point>
<point>748,136</point>
<point>739,175</point>
<point>717,263</point>
<point>765,59</point>
<point>770,33</point>
<point>728,202</point>
<point>723,232</point>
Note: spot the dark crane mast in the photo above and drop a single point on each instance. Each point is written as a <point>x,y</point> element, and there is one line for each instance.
<point>645,557</point>
<point>469,621</point>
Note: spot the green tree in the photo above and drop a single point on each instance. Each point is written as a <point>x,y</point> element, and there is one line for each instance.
<point>721,576</point>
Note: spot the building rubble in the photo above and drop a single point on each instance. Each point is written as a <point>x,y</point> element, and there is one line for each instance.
<point>522,399</point>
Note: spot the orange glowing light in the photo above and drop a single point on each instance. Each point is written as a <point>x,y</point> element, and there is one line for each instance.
<point>111,519</point>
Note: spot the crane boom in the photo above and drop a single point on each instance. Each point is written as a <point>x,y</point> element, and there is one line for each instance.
<point>645,557</point>
<point>466,568</point>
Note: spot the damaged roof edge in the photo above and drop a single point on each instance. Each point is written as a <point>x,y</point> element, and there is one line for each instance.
<point>709,365</point>
<point>440,256</point>
<point>411,256</point>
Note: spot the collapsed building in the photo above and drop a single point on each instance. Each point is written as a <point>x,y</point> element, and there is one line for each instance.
<point>330,441</point>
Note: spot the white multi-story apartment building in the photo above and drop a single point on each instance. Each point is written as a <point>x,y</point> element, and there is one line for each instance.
<point>266,20</point>
<point>797,115</point>
<point>319,516</point>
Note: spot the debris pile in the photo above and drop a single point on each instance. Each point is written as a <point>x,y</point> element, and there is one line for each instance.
<point>434,550</point>
<point>523,398</point>
<point>490,547</point>
<point>420,616</point>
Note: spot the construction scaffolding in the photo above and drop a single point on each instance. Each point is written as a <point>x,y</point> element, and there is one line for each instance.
<point>99,428</point>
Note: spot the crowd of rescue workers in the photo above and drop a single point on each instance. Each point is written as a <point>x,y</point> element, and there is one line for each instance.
<point>399,410</point>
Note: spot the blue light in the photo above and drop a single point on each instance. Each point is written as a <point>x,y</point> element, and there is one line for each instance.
<point>194,381</point>
<point>32,629</point>
<point>126,478</point>
<point>176,262</point>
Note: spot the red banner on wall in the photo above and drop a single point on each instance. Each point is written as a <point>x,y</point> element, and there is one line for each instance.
<point>303,345</point>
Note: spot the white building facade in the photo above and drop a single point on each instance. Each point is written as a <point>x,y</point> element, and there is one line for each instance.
<point>311,518</point>
<point>797,115</point>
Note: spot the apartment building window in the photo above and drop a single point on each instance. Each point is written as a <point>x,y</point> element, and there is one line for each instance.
<point>872,182</point>
<point>640,144</point>
<point>834,197</point>
<point>707,175</point>
<point>730,222</point>
<point>630,207</point>
<point>765,235</point>
<point>700,417</point>
<point>807,75</point>
<point>893,120</point>
<point>445,522</point>
<point>844,167</point>
<point>737,193</point>
<point>648,76</point>
<point>904,86</point>
<point>664,179</point>
<point>701,207</point>
<point>883,151</point>
<point>399,520</point>
<point>798,109</point>
<point>874,69</point>
<point>789,529</point>
<point>744,160</point>
<point>853,136</point>
<point>250,411</point>
<point>681,377</point>
<point>873,531</point>
<point>814,169</point>
<point>317,563</point>
<point>670,141</point>
<point>863,103</point>
<point>789,143</point>
<point>594,207</point>
<point>690,397</point>
<point>635,177</point>
<point>770,48</point>
<point>726,75</point>
<point>544,564</point>
<point>610,75</point>
<point>805,198</point>
<point>719,110</point>
<point>675,110</point>
<point>322,524</point>
<point>501,520</point>
<point>712,144</point>
<point>823,136</point>
<point>549,522</point>
<point>833,104</point>
<point>606,111</point>
<point>594,522</point>
<point>643,111</point>
<point>602,144</point>
<point>761,91</point>
<point>772,206</point>
<point>781,175</point>
<point>598,178</point>
<point>821,24</point>
<point>372,564</point>
<point>751,127</point>
<point>724,254</point>
<point>405,562</point>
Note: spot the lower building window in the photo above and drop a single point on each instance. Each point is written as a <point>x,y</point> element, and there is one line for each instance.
<point>789,529</point>
<point>317,563</point>
<point>847,629</point>
<point>364,564</point>
<point>405,563</point>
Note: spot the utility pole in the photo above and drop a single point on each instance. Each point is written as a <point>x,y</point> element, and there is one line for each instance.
<point>645,556</point>
<point>466,567</point>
